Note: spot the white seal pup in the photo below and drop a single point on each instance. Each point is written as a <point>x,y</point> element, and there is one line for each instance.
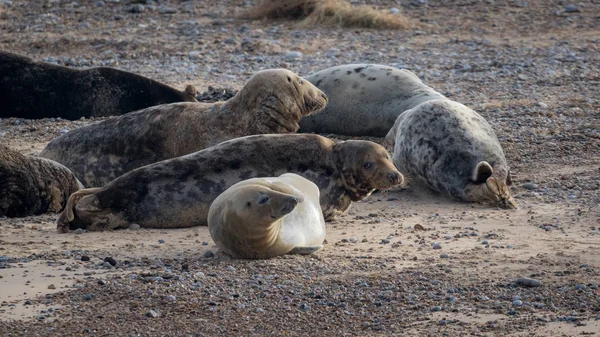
<point>365,99</point>
<point>266,217</point>
<point>453,150</point>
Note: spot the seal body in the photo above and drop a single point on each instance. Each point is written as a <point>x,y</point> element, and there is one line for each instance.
<point>267,217</point>
<point>31,89</point>
<point>272,101</point>
<point>453,150</point>
<point>32,186</point>
<point>365,99</point>
<point>178,192</point>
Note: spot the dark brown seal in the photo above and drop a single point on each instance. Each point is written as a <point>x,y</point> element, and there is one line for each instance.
<point>32,89</point>
<point>272,101</point>
<point>31,185</point>
<point>178,192</point>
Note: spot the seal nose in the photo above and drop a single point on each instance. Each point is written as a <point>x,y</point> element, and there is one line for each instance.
<point>324,96</point>
<point>289,205</point>
<point>395,178</point>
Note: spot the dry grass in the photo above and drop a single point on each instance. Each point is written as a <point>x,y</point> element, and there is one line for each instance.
<point>328,13</point>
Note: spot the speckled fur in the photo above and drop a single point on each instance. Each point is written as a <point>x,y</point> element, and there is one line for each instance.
<point>178,192</point>
<point>365,99</point>
<point>273,101</point>
<point>441,143</point>
<point>32,186</point>
<point>32,89</point>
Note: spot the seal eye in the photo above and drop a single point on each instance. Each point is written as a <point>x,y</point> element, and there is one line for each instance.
<point>248,204</point>
<point>263,199</point>
<point>367,165</point>
<point>289,79</point>
<point>300,82</point>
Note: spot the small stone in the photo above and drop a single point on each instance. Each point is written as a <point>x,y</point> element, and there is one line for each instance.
<point>27,302</point>
<point>443,322</point>
<point>353,240</point>
<point>384,242</point>
<point>85,258</point>
<point>101,282</point>
<point>484,242</point>
<point>78,285</point>
<point>78,231</point>
<point>517,303</point>
<point>509,246</point>
<point>580,287</point>
<point>161,241</point>
<point>436,308</point>
<point>394,10</point>
<point>572,9</point>
<point>99,3</point>
<point>111,261</point>
<point>204,243</point>
<point>304,307</point>
<point>52,286</point>
<point>209,254</point>
<point>436,246</point>
<point>527,282</point>
<point>119,17</point>
<point>134,226</point>
<point>167,10</point>
<point>88,297</point>
<point>171,298</point>
<point>153,314</point>
<point>448,237</point>
<point>530,186</point>
<point>293,55</point>
<point>443,256</point>
<point>137,8</point>
<point>85,25</point>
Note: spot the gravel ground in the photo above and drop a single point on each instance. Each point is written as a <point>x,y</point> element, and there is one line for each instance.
<point>403,261</point>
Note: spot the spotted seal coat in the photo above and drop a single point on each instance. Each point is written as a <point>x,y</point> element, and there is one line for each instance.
<point>178,192</point>
<point>31,185</point>
<point>365,99</point>
<point>33,89</point>
<point>272,101</point>
<point>266,217</point>
<point>453,150</point>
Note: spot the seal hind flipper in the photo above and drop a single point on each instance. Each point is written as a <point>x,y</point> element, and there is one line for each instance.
<point>307,250</point>
<point>482,172</point>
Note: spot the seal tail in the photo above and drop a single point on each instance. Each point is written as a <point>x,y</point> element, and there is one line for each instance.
<point>68,214</point>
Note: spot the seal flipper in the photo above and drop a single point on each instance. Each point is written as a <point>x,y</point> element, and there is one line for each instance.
<point>307,250</point>
<point>68,214</point>
<point>482,172</point>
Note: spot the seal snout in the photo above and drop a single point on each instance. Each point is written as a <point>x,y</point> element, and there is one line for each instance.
<point>395,178</point>
<point>289,205</point>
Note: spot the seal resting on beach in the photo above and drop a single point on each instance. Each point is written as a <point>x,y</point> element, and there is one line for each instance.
<point>453,150</point>
<point>261,218</point>
<point>365,99</point>
<point>32,89</point>
<point>31,185</point>
<point>272,101</point>
<point>178,192</point>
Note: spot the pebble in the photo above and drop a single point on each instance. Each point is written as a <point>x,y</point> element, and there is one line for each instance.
<point>153,314</point>
<point>171,298</point>
<point>167,10</point>
<point>572,9</point>
<point>580,287</point>
<point>204,243</point>
<point>88,297</point>
<point>293,55</point>
<point>85,258</point>
<point>209,253</point>
<point>78,231</point>
<point>99,3</point>
<point>161,241</point>
<point>304,307</point>
<point>394,10</point>
<point>530,186</point>
<point>134,226</point>
<point>27,302</point>
<point>436,308</point>
<point>436,246</point>
<point>52,286</point>
<point>353,240</point>
<point>101,282</point>
<point>517,303</point>
<point>137,8</point>
<point>444,256</point>
<point>484,242</point>
<point>111,261</point>
<point>527,282</point>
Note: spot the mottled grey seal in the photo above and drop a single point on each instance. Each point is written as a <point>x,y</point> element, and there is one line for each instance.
<point>261,218</point>
<point>365,99</point>
<point>31,185</point>
<point>272,101</point>
<point>33,89</point>
<point>453,150</point>
<point>178,192</point>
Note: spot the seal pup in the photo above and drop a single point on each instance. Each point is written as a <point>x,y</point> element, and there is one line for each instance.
<point>365,99</point>
<point>31,185</point>
<point>178,192</point>
<point>272,101</point>
<point>261,218</point>
<point>32,89</point>
<point>453,150</point>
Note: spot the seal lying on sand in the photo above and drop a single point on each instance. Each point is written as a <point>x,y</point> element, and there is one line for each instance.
<point>453,150</point>
<point>32,186</point>
<point>365,99</point>
<point>272,101</point>
<point>31,89</point>
<point>261,218</point>
<point>178,192</point>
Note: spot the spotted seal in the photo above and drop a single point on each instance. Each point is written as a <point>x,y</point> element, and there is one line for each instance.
<point>266,217</point>
<point>453,150</point>
<point>31,185</point>
<point>33,89</point>
<point>365,99</point>
<point>178,192</point>
<point>272,101</point>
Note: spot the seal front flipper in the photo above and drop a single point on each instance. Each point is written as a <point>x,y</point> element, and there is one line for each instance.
<point>305,250</point>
